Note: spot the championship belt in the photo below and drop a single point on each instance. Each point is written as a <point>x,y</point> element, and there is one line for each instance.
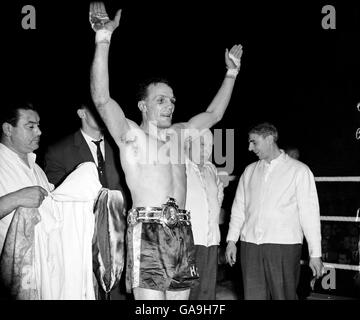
<point>168,214</point>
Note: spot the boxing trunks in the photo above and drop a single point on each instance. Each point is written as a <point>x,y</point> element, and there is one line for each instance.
<point>161,252</point>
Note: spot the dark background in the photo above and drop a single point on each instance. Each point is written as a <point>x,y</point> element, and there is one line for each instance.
<point>295,74</point>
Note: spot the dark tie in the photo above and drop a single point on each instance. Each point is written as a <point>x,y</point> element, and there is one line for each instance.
<point>101,164</point>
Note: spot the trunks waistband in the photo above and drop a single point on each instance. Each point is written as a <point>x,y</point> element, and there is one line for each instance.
<point>168,214</point>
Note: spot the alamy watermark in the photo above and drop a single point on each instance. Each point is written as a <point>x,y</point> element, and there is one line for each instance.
<point>178,145</point>
<point>29,20</point>
<point>329,20</point>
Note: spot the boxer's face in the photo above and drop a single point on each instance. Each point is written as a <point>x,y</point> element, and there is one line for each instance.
<point>160,105</point>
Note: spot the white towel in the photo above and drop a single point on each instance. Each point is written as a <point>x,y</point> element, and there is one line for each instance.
<point>63,238</point>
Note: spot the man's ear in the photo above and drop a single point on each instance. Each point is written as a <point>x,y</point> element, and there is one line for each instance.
<point>81,113</point>
<point>142,106</point>
<point>270,138</point>
<point>7,129</point>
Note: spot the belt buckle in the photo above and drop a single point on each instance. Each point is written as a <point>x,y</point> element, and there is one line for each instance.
<point>170,213</point>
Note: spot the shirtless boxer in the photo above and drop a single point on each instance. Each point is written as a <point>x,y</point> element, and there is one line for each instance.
<point>161,262</point>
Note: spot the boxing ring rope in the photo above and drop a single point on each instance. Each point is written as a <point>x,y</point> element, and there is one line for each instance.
<point>337,179</point>
<point>317,179</point>
<point>342,266</point>
<point>336,266</point>
<point>340,219</point>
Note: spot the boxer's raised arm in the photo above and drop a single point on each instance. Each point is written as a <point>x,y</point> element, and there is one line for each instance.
<point>109,110</point>
<point>217,107</point>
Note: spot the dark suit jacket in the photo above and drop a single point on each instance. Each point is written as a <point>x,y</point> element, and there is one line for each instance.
<point>63,157</point>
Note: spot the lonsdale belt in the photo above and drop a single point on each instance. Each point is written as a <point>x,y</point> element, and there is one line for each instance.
<point>168,214</point>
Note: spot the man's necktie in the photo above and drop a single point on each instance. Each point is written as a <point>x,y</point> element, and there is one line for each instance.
<point>101,164</point>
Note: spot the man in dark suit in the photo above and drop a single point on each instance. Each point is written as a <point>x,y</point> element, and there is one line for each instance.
<point>63,157</point>
<point>88,144</point>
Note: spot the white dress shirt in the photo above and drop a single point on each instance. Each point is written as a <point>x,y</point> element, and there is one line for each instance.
<point>277,202</point>
<point>93,147</point>
<point>204,198</point>
<point>15,175</point>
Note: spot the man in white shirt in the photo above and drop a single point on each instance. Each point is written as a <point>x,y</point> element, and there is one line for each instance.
<point>275,205</point>
<point>204,197</point>
<point>22,182</point>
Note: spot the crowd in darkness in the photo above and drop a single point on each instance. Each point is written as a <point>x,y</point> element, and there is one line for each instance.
<point>340,242</point>
<point>340,239</point>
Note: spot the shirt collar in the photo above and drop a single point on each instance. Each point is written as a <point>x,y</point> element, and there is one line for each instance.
<point>278,159</point>
<point>31,155</point>
<point>89,139</point>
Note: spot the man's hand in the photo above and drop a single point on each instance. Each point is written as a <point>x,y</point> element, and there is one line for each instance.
<point>230,253</point>
<point>233,58</point>
<point>317,267</point>
<point>99,18</point>
<point>31,197</point>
